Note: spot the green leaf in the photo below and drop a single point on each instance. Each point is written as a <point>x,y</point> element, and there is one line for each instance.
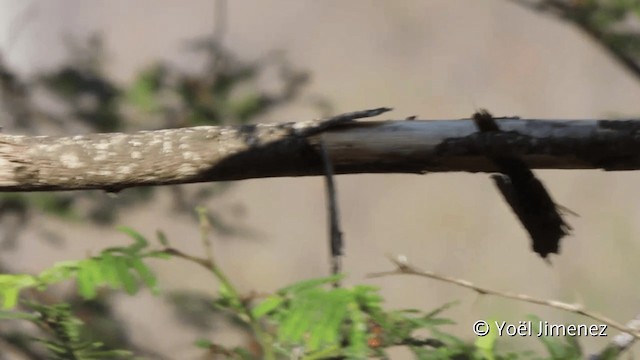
<point>10,297</point>
<point>358,346</point>
<point>143,91</point>
<point>314,317</point>
<point>162,238</point>
<point>109,270</point>
<point>486,344</point>
<point>125,277</point>
<point>328,330</point>
<point>203,343</point>
<point>564,348</point>
<point>140,241</point>
<point>310,284</point>
<point>146,275</point>
<point>248,106</point>
<point>86,285</point>
<point>10,287</point>
<point>266,306</point>
<point>16,315</point>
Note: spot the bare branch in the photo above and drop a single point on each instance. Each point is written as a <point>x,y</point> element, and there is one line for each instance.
<point>219,153</point>
<point>404,268</point>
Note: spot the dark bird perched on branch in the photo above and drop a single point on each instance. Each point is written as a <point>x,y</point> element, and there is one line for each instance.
<point>526,195</point>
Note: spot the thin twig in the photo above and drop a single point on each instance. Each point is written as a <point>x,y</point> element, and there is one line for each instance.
<point>262,336</point>
<point>336,243</point>
<point>403,267</point>
<point>319,126</point>
<point>205,229</point>
<point>194,259</point>
<point>620,342</point>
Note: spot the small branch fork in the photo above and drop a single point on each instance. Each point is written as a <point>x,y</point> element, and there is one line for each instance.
<point>630,332</point>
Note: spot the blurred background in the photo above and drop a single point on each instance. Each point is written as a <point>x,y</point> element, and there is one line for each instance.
<point>439,59</point>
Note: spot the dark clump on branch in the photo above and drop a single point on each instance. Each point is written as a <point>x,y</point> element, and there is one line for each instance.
<point>527,196</point>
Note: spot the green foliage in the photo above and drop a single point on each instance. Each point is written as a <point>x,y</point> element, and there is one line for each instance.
<point>564,348</point>
<point>117,267</point>
<point>309,319</point>
<point>487,344</point>
<point>64,341</point>
<point>341,322</point>
<point>607,22</point>
<point>145,89</point>
<point>238,353</point>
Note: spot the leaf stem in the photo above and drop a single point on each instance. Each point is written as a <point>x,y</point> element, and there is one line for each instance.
<point>262,336</point>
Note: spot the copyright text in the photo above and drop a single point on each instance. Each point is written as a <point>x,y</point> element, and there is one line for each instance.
<point>537,328</point>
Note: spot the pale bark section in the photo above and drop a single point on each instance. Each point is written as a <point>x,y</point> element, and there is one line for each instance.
<point>116,161</point>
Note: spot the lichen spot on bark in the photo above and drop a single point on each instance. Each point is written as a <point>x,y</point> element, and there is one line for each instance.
<point>125,169</point>
<point>167,147</point>
<point>101,156</point>
<point>102,146</point>
<point>70,161</point>
<point>186,169</point>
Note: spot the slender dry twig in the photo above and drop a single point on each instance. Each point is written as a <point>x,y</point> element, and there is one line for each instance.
<point>262,336</point>
<point>205,230</point>
<point>314,127</point>
<point>194,259</point>
<point>620,343</point>
<point>336,243</point>
<point>404,268</point>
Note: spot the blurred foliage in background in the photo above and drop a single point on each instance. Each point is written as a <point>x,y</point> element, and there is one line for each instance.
<point>79,96</point>
<point>612,24</point>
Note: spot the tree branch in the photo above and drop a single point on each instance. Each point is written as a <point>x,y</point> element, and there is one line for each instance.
<point>209,153</point>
